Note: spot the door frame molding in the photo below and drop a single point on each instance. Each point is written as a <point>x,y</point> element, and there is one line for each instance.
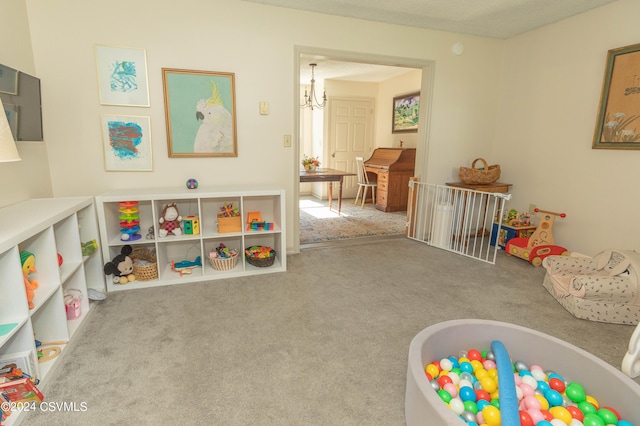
<point>426,94</point>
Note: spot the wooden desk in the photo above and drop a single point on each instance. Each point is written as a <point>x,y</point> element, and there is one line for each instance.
<point>327,175</point>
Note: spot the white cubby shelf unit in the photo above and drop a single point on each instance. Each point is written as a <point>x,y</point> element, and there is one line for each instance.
<point>204,203</point>
<point>46,227</point>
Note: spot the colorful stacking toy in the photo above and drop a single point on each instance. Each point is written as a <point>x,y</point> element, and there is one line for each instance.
<point>129,221</point>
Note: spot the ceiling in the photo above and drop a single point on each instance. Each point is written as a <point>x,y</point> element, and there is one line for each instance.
<point>489,18</point>
<point>499,19</point>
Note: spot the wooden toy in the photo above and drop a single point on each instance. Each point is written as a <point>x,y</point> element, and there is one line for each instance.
<point>540,244</point>
<point>191,225</point>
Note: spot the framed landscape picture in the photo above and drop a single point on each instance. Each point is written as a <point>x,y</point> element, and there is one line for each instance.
<point>122,76</point>
<point>406,110</point>
<point>618,120</point>
<point>127,143</point>
<point>200,111</point>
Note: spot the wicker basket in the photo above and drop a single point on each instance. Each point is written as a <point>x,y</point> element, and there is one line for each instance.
<point>472,176</point>
<point>145,272</point>
<point>260,263</point>
<point>224,264</point>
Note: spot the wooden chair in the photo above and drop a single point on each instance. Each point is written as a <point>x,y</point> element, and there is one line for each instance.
<point>363,182</point>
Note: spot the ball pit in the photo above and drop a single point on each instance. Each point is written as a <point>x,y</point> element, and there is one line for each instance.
<point>600,382</point>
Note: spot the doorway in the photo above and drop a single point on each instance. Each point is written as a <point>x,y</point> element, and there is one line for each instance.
<point>302,57</point>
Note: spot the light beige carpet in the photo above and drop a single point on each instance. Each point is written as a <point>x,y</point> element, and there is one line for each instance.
<point>322,344</point>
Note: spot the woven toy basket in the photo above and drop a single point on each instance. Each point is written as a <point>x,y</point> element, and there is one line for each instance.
<point>145,272</point>
<point>261,263</point>
<point>484,176</point>
<point>223,264</point>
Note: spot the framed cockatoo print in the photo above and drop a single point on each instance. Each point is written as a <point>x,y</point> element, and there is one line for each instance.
<point>200,111</point>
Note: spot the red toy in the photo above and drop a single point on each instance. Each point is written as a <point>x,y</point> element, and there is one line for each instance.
<point>540,244</point>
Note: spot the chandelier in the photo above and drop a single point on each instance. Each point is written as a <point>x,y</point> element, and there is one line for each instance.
<point>310,98</point>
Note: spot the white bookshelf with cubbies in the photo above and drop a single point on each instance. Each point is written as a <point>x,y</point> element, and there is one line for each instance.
<point>53,230</point>
<point>201,207</point>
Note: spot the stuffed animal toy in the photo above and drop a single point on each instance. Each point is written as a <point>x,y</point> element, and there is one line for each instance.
<point>170,221</point>
<point>121,267</point>
<point>28,261</point>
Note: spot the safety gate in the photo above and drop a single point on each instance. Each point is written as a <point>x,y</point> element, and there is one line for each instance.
<point>455,219</point>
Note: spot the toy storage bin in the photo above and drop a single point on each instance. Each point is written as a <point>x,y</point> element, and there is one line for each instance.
<point>224,264</point>
<point>229,224</point>
<point>607,384</point>
<point>144,272</point>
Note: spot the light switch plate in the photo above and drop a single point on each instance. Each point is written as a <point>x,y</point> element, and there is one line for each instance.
<point>264,108</point>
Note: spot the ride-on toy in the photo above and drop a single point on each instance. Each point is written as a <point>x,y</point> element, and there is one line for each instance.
<point>540,244</point>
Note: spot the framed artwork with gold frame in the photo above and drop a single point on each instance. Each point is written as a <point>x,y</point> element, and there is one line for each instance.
<point>617,123</point>
<point>200,112</point>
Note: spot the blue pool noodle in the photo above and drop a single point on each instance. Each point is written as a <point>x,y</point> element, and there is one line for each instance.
<point>509,415</point>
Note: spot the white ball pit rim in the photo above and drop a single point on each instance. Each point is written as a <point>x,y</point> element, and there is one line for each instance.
<point>423,405</point>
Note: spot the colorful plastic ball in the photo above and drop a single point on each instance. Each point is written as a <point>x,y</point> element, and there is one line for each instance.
<point>587,407</point>
<point>466,367</point>
<point>468,416</point>
<point>482,403</point>
<point>576,392</point>
<point>525,419</point>
<point>554,397</point>
<point>192,183</point>
<point>444,395</point>
<point>592,419</point>
<point>491,415</point>
<point>614,411</point>
<point>557,384</point>
<point>471,406</point>
<point>594,401</point>
<point>607,416</point>
<point>432,370</point>
<point>452,389</point>
<point>446,364</point>
<point>576,413</point>
<point>467,394</point>
<point>456,405</point>
<point>474,355</point>
<point>561,413</point>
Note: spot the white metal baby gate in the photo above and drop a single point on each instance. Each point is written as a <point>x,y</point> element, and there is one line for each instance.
<point>455,219</point>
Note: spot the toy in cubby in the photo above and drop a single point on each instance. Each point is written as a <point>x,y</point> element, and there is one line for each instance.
<point>222,258</point>
<point>129,221</point>
<point>229,219</point>
<point>255,222</point>
<point>170,221</point>
<point>121,266</point>
<point>89,247</point>
<point>191,225</point>
<point>28,261</point>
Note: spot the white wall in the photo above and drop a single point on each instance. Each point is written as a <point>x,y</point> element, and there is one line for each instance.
<point>30,177</point>
<point>551,84</point>
<point>257,44</point>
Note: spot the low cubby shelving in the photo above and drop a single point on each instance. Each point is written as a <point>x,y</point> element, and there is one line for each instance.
<point>50,229</point>
<point>204,203</point>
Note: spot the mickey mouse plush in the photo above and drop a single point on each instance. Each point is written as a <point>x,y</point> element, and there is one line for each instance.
<point>121,267</point>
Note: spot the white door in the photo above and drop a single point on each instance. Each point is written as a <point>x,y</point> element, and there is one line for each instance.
<point>349,135</point>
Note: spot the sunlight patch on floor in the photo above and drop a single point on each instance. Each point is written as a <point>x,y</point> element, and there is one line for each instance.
<point>319,211</point>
